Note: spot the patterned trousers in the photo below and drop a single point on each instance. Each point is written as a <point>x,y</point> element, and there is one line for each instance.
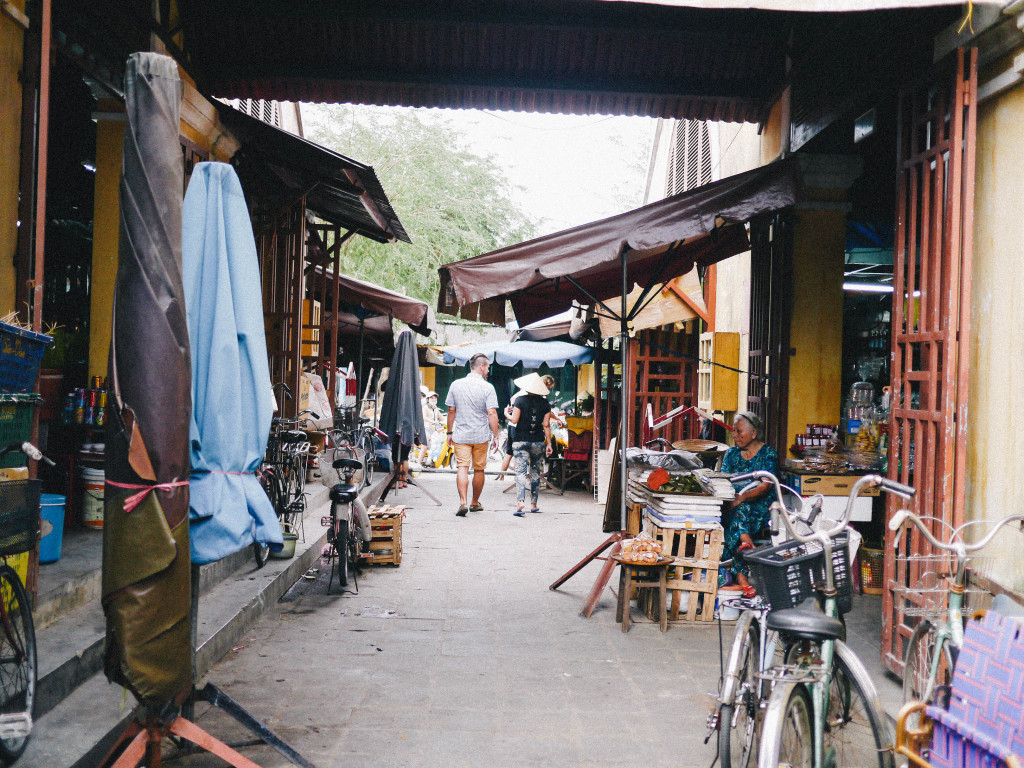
<point>527,457</point>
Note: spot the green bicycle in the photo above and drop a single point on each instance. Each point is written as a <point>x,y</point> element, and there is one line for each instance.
<point>823,711</point>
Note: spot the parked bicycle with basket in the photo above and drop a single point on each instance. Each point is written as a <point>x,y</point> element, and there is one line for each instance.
<point>743,692</point>
<point>823,709</point>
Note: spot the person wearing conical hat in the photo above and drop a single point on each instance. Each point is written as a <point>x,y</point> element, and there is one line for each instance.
<point>531,415</point>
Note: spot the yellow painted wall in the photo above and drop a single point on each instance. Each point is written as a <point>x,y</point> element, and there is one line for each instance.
<point>995,486</point>
<point>427,372</point>
<point>11,38</point>
<point>105,228</point>
<point>771,135</point>
<point>816,332</point>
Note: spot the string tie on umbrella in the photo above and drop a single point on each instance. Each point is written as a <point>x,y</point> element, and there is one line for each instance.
<point>135,499</point>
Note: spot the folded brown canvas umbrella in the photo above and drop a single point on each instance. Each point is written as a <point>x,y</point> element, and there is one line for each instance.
<point>146,593</point>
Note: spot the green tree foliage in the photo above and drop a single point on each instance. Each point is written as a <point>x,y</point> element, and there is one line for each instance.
<point>453,203</point>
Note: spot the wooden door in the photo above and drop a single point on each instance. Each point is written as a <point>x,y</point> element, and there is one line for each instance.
<point>931,323</point>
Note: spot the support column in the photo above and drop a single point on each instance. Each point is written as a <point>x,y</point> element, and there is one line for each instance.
<point>106,206</point>
<point>819,259</point>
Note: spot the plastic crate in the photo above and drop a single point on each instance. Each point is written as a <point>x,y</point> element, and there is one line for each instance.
<point>19,515</point>
<point>21,352</point>
<point>789,573</point>
<point>16,425</point>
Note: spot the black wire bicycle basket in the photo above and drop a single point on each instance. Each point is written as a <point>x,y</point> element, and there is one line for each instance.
<point>19,515</point>
<point>787,574</point>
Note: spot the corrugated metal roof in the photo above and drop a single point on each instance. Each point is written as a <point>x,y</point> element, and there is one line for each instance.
<point>698,59</point>
<point>578,57</point>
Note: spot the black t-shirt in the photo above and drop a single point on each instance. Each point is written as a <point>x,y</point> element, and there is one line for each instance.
<point>530,427</point>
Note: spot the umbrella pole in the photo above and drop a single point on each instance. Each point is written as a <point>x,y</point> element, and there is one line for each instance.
<point>624,390</point>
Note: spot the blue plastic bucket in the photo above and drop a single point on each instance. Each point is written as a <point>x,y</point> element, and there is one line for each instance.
<point>51,509</point>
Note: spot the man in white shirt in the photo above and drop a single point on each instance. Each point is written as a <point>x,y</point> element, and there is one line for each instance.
<point>472,424</point>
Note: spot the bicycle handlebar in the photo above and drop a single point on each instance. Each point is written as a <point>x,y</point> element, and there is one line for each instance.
<point>822,536</point>
<point>960,548</point>
<point>29,450</point>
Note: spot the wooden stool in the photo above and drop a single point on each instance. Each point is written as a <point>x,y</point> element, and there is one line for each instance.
<point>633,576</point>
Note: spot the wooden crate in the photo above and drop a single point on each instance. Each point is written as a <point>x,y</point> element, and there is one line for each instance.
<point>694,577</point>
<point>386,535</point>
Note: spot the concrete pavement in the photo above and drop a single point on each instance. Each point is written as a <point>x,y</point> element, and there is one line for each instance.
<point>462,656</point>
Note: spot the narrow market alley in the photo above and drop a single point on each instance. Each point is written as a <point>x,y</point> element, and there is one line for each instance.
<point>462,655</point>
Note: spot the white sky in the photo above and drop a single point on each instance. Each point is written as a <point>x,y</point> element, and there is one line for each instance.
<point>571,169</point>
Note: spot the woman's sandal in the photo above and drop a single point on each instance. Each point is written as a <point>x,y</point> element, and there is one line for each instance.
<point>749,591</point>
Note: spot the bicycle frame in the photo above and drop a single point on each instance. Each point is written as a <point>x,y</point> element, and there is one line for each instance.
<point>819,684</point>
<point>949,633</point>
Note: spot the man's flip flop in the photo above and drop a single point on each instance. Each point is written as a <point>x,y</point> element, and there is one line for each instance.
<point>519,513</point>
<point>476,507</point>
<point>463,509</point>
<point>535,509</point>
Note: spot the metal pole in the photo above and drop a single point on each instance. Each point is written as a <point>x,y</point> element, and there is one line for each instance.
<point>624,390</point>
<point>359,380</point>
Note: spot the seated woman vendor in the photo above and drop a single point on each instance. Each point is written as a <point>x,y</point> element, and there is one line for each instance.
<point>749,512</point>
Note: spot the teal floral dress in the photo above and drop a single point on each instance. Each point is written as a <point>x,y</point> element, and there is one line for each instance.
<point>750,516</point>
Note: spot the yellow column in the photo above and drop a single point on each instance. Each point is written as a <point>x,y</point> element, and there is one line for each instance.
<point>105,233</point>
<point>819,259</point>
<point>11,39</point>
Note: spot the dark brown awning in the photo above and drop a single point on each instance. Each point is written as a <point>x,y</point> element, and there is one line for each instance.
<point>373,300</point>
<point>664,240</point>
<point>337,188</point>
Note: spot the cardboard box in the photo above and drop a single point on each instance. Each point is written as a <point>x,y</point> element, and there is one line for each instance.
<point>827,485</point>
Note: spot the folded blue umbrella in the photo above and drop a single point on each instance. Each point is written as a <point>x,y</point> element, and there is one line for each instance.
<point>232,403</point>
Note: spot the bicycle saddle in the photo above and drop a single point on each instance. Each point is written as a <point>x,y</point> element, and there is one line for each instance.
<point>294,436</point>
<point>352,464</point>
<point>807,622</point>
<point>343,493</point>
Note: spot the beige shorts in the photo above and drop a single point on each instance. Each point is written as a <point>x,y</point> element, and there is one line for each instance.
<point>474,454</point>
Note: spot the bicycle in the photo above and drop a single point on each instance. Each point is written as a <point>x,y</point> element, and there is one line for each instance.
<point>823,709</point>
<point>362,440</point>
<point>283,477</point>
<point>19,530</point>
<point>347,524</point>
<point>743,694</point>
<point>936,640</point>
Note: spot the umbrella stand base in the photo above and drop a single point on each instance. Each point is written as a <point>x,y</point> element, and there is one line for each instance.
<point>410,481</point>
<point>603,577</point>
<point>142,740</point>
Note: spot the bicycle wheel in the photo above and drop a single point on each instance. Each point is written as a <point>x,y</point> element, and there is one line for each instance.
<point>855,728</point>
<point>17,658</point>
<point>341,551</point>
<point>917,668</point>
<point>788,733</point>
<point>260,553</point>
<point>366,450</point>
<point>737,722</point>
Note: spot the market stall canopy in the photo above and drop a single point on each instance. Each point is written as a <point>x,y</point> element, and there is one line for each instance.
<point>337,188</point>
<point>676,301</point>
<point>695,59</point>
<point>359,297</point>
<point>663,240</point>
<point>532,354</point>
